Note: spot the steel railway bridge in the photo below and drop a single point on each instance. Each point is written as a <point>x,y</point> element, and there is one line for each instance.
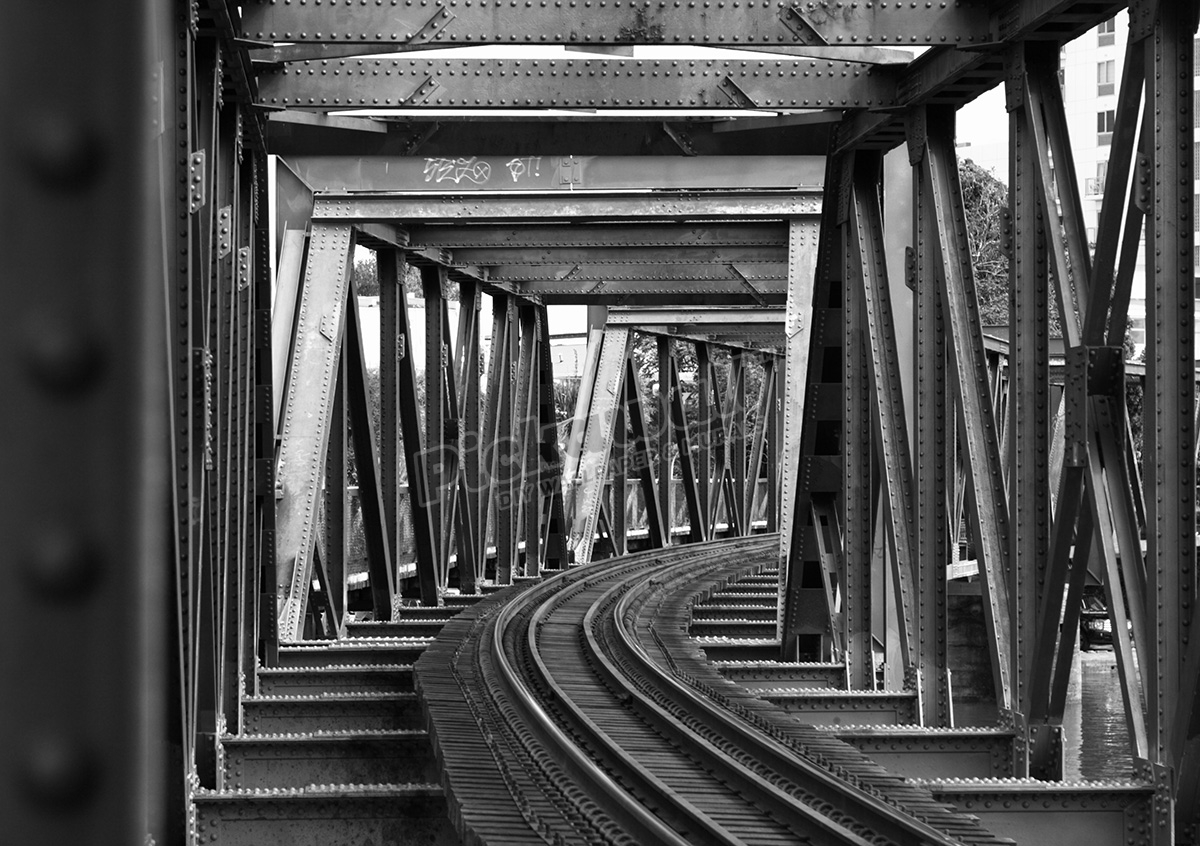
<point>710,606</point>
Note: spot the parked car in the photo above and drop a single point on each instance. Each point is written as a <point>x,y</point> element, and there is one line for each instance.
<point>1095,628</point>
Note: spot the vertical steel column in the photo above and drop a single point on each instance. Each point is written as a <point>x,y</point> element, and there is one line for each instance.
<point>333,552</point>
<point>704,428</point>
<point>496,381</point>
<point>391,301</point>
<point>798,331</point>
<point>506,451</point>
<point>468,364</point>
<point>758,441</point>
<point>736,441</point>
<point>1028,398</point>
<point>1170,380</point>
<point>635,410</point>
<point>696,531</point>
<point>526,499</point>
<point>307,415</point>
<point>986,495</point>
<point>934,448</point>
<point>437,458</point>
<point>664,438</point>
<point>391,273</point>
<point>774,428</point>
<point>620,481</point>
<point>866,268</point>
<point>858,465</point>
<point>550,462</point>
<point>84,473</point>
<point>366,461</point>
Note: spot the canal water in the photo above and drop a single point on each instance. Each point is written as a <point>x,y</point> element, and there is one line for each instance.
<point>1096,737</point>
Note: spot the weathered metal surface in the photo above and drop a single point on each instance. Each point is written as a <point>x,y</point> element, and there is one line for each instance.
<point>1077,814</point>
<point>307,417</point>
<point>813,23</point>
<point>845,707</point>
<point>920,753</point>
<point>580,206</point>
<point>339,757</point>
<point>338,84</point>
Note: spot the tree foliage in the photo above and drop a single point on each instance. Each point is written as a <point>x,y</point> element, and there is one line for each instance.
<point>985,198</point>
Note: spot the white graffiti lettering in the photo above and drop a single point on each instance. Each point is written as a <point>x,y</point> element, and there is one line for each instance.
<point>457,169</point>
<point>524,166</point>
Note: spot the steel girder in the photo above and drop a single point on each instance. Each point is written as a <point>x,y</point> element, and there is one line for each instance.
<point>558,173</point>
<point>339,84</point>
<point>776,24</point>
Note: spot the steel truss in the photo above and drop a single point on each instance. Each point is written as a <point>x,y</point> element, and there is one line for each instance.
<point>264,375</point>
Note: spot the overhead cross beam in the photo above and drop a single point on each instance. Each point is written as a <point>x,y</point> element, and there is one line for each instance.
<point>770,23</point>
<point>336,84</point>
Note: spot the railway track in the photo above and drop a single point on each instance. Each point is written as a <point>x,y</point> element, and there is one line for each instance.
<point>589,719</point>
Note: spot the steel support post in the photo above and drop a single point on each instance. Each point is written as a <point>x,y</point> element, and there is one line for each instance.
<point>866,269</point>
<point>331,567</point>
<point>596,440</point>
<point>736,442</point>
<point>391,273</point>
<point>774,441</point>
<point>1028,418</point>
<point>986,495</point>
<point>437,450</point>
<point>366,461</point>
<point>307,416</point>
<point>498,369</point>
<point>506,457</point>
<point>1170,475</point>
<point>664,438</point>
<point>635,406</point>
<point>758,441</point>
<point>691,492</point>
<point>798,323</point>
<point>391,301</point>
<point>858,465</point>
<point>467,373</point>
<point>526,493</point>
<point>932,467</point>
<point>86,473</point>
<point>620,482</point>
<point>704,429</point>
<point>554,530</point>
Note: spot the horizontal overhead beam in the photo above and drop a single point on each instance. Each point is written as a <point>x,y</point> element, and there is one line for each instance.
<point>671,292</point>
<point>560,259</point>
<point>600,236</point>
<point>748,319</point>
<point>651,272</point>
<point>396,24</point>
<point>556,173</point>
<point>577,206</point>
<point>333,84</point>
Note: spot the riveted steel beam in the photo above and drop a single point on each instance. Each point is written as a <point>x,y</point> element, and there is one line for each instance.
<point>865,263</point>
<point>595,418</point>
<point>515,244</point>
<point>307,417</point>
<point>339,84</point>
<point>578,206</point>
<point>758,273</point>
<point>687,291</point>
<point>747,24</point>
<point>567,174</point>
<point>506,261</point>
<point>639,445</point>
<point>985,491</point>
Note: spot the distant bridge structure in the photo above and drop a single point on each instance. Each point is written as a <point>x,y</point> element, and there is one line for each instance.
<point>769,229</point>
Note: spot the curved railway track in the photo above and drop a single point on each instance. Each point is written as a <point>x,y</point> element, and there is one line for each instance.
<point>602,725</point>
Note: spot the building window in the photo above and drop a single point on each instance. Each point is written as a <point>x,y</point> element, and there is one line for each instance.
<point>1196,157</point>
<point>1107,32</point>
<point>1104,126</point>
<point>1106,78</point>
<point>1196,56</point>
<point>1094,186</point>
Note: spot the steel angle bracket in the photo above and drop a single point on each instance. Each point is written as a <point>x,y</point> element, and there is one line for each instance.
<point>433,28</point>
<point>421,93</point>
<point>736,94</point>
<point>800,27</point>
<point>741,277</point>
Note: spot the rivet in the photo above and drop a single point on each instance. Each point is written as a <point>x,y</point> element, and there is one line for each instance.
<point>63,153</point>
<point>58,772</point>
<point>61,565</point>
<point>61,355</point>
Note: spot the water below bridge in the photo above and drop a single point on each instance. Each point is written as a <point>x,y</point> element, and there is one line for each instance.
<point>1097,740</point>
